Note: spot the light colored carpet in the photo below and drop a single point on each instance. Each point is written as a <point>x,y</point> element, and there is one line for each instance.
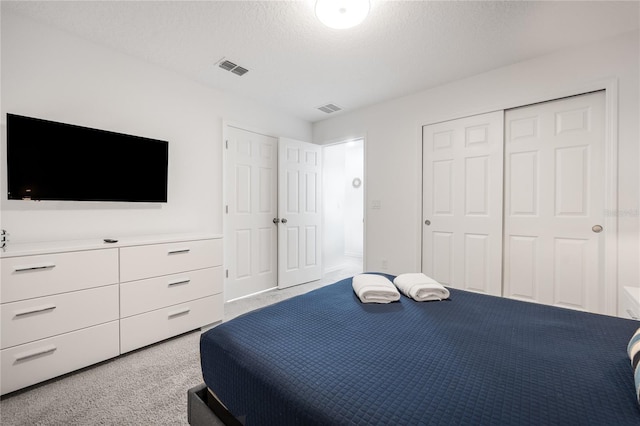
<point>145,387</point>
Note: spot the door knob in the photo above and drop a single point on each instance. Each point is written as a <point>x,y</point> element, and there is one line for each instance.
<point>284,220</point>
<point>276,220</point>
<point>596,228</point>
<point>427,222</point>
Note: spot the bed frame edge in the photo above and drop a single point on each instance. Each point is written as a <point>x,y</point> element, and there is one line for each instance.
<point>205,410</point>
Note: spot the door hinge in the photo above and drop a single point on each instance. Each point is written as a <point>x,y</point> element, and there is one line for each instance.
<point>226,209</point>
<point>226,143</point>
<point>226,272</point>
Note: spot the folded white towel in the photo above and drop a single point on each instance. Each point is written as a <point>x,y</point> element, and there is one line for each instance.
<point>420,287</point>
<point>372,288</point>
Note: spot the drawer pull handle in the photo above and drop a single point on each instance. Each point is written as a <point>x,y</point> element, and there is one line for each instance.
<point>30,354</point>
<point>28,311</point>
<point>34,267</point>
<point>180,312</point>
<point>632,314</point>
<point>182,250</point>
<point>177,282</point>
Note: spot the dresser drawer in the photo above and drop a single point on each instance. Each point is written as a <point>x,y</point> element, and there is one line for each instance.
<point>137,297</point>
<point>34,319</point>
<point>34,362</point>
<point>141,330</point>
<point>27,277</point>
<point>140,262</point>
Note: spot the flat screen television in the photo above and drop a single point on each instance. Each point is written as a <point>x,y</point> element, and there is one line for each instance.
<point>47,160</point>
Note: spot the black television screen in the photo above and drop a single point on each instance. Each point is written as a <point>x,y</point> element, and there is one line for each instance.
<point>47,160</point>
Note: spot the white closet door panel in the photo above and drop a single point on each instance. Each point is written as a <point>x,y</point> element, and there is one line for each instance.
<point>570,272</point>
<point>311,252</point>
<point>476,258</point>
<point>523,196</point>
<point>463,163</point>
<point>268,257</point>
<point>292,193</point>
<point>251,199</point>
<point>476,189</point>
<point>554,196</point>
<point>523,254</point>
<point>243,189</point>
<point>265,191</point>
<point>442,258</point>
<point>293,248</point>
<point>299,210</point>
<point>243,253</point>
<point>572,181</point>
<point>442,188</point>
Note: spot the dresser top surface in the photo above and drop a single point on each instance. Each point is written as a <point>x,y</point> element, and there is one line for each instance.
<point>48,247</point>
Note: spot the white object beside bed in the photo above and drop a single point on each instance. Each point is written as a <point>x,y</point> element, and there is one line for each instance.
<point>70,304</point>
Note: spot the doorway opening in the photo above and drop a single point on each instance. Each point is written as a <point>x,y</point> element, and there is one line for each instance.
<point>343,208</point>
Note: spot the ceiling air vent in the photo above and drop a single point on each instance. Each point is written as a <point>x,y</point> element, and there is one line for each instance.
<point>230,66</point>
<point>239,70</point>
<point>329,108</point>
<point>227,65</point>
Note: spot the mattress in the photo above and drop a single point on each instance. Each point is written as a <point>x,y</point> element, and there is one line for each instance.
<point>325,358</point>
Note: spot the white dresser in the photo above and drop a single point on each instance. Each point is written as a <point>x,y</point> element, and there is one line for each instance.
<point>67,305</point>
<point>167,289</point>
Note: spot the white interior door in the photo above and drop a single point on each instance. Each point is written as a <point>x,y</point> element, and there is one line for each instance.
<point>462,202</point>
<point>554,203</point>
<point>251,240</point>
<point>299,230</point>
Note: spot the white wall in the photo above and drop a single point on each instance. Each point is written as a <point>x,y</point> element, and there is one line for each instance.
<point>393,232</point>
<point>47,73</point>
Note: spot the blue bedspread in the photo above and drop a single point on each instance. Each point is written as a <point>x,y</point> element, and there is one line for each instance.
<point>324,358</point>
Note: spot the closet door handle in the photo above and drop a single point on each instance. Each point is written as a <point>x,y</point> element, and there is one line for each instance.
<point>35,352</point>
<point>28,311</point>
<point>284,220</point>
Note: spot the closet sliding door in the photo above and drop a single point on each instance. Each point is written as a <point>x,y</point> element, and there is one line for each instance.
<point>462,202</point>
<point>536,232</point>
<point>554,203</point>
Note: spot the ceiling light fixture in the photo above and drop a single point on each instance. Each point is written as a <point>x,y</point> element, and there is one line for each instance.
<point>340,14</point>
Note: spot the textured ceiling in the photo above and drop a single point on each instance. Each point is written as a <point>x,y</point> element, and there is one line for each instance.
<point>296,64</point>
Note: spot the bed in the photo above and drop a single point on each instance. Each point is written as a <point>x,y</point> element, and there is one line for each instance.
<point>325,358</point>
